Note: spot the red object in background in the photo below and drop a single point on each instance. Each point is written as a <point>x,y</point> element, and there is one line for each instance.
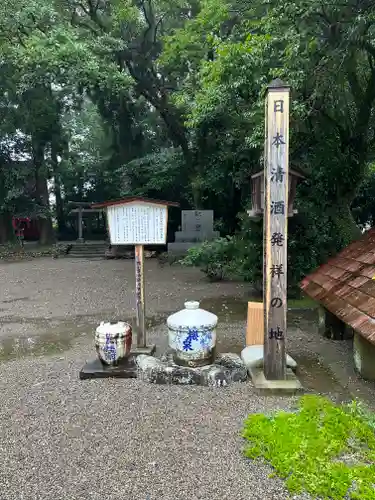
<point>26,227</point>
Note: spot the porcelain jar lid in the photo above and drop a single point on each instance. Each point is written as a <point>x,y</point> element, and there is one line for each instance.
<point>192,317</point>
<point>113,328</point>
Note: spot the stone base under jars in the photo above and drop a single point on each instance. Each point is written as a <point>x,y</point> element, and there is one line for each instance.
<point>208,358</point>
<point>227,368</point>
<point>125,369</point>
<point>96,369</point>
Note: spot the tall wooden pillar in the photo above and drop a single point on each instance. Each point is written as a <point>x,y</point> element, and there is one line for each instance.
<point>80,229</point>
<point>276,174</point>
<point>140,295</point>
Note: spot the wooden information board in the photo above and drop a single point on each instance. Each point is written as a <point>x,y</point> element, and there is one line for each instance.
<point>137,223</point>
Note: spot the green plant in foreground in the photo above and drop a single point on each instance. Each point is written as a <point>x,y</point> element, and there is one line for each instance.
<point>324,449</point>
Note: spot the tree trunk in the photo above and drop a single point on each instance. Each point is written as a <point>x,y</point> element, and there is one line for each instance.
<point>344,224</point>
<point>6,231</point>
<point>59,204</point>
<point>45,220</point>
<point>195,165</point>
<point>197,194</point>
<point>57,190</point>
<point>47,236</point>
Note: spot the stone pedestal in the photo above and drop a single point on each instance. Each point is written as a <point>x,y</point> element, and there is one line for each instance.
<point>253,358</point>
<point>197,226</point>
<point>195,236</point>
<point>96,369</point>
<point>227,368</point>
<point>291,384</point>
<point>364,357</point>
<point>126,369</point>
<point>180,249</point>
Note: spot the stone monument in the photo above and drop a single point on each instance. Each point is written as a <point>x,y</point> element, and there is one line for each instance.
<point>197,226</point>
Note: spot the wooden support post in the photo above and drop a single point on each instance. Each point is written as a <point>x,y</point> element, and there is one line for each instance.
<point>348,332</point>
<point>322,321</point>
<point>140,295</point>
<point>331,327</point>
<point>80,229</point>
<point>276,173</point>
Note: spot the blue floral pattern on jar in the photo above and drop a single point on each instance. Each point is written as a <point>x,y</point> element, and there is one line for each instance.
<point>192,335</point>
<point>109,349</point>
<point>194,339</point>
<point>206,340</point>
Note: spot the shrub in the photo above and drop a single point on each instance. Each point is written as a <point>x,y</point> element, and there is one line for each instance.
<point>215,258</point>
<point>241,255</point>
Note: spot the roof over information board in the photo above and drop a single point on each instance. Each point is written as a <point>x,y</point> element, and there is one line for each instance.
<point>345,285</point>
<point>132,199</point>
<point>80,204</point>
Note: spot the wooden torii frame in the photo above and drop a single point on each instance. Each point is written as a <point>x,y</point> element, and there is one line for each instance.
<point>81,207</point>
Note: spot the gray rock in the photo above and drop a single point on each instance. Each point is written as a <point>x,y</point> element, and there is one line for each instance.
<point>227,368</point>
<point>234,365</point>
<point>155,371</point>
<point>252,356</point>
<point>167,356</point>
<point>181,375</point>
<point>145,362</point>
<point>149,368</point>
<point>215,376</point>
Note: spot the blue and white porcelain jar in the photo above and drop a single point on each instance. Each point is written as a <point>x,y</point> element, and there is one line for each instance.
<point>113,342</point>
<point>192,335</point>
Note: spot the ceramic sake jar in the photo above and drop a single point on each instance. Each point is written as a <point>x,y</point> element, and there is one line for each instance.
<point>113,342</point>
<point>192,336</point>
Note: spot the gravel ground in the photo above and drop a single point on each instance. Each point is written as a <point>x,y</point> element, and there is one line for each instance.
<point>66,288</point>
<point>67,439</point>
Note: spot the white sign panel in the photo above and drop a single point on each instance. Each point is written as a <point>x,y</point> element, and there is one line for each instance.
<point>137,223</point>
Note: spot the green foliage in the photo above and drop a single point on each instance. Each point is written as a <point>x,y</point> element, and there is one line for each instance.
<point>363,206</point>
<point>242,254</point>
<point>166,99</point>
<point>360,408</point>
<point>215,258</point>
<point>331,73</point>
<point>186,47</point>
<point>323,449</point>
<point>155,175</point>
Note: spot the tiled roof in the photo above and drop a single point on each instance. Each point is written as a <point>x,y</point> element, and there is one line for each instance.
<point>345,285</point>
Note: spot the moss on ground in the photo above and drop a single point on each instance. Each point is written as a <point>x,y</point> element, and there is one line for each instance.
<point>324,449</point>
